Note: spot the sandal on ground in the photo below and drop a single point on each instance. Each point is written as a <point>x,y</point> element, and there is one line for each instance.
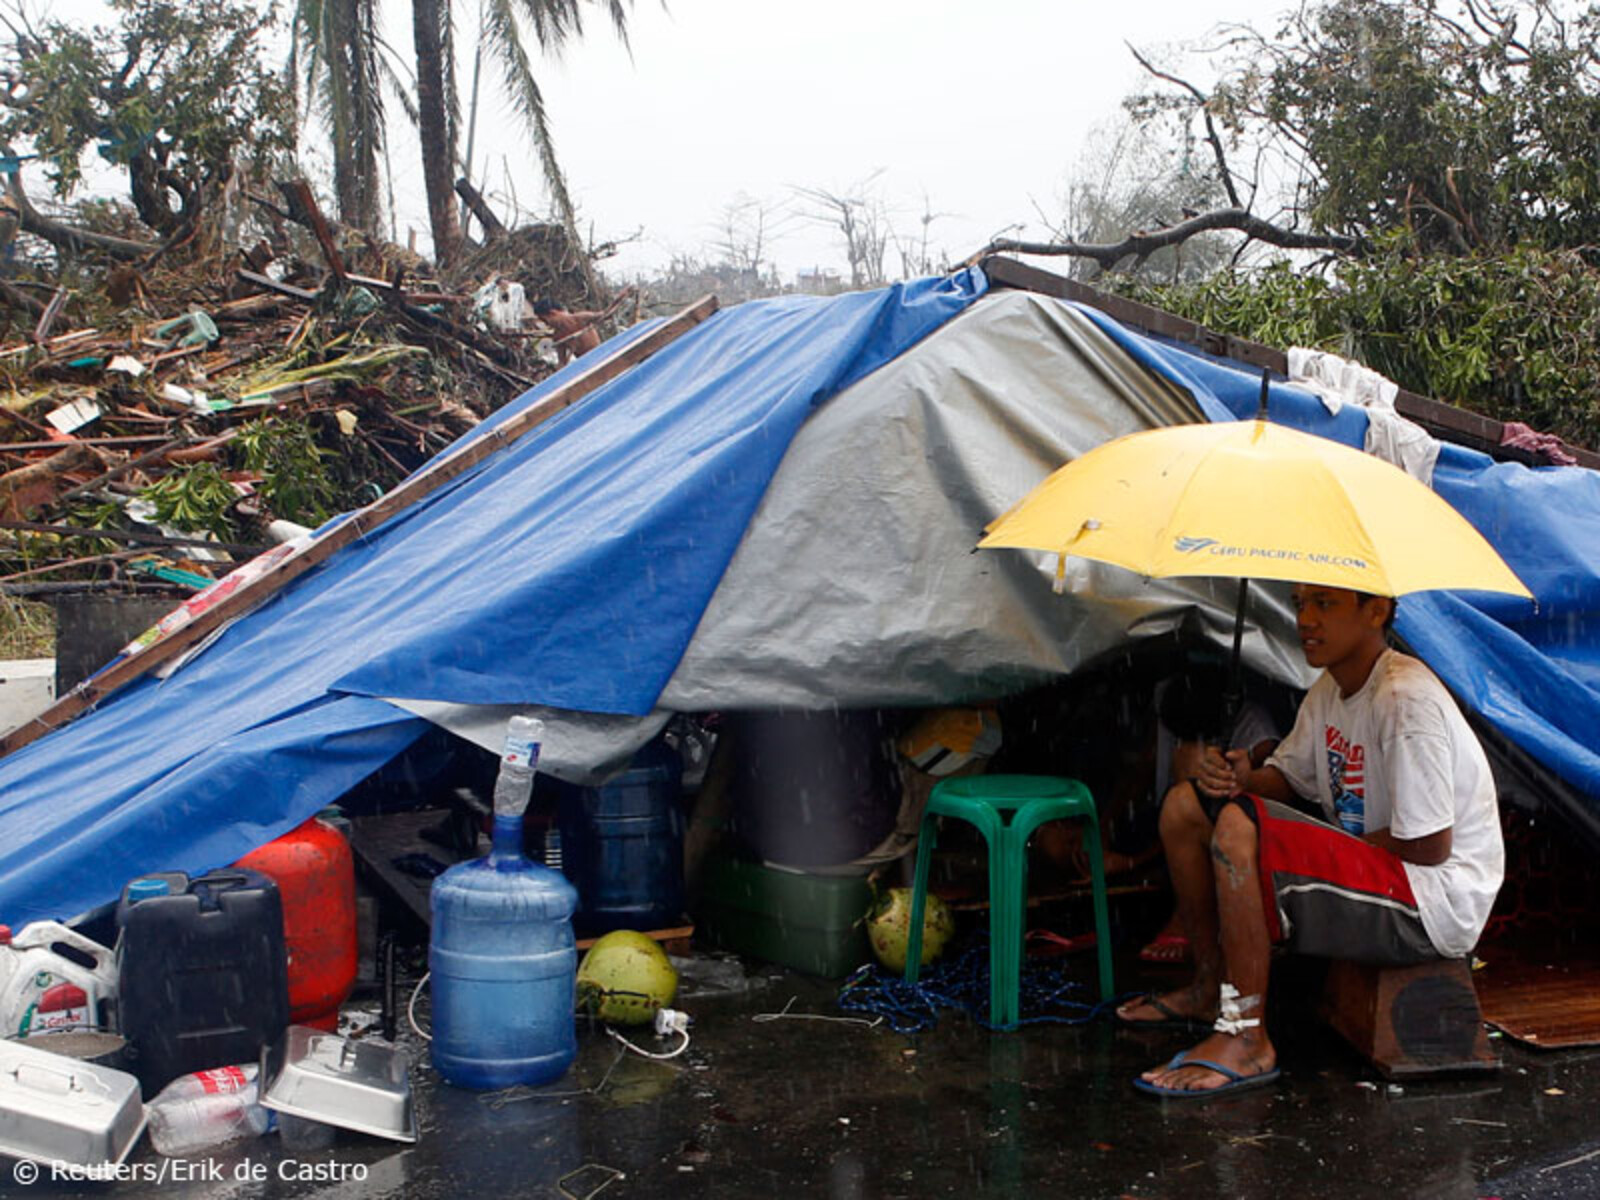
<point>1063,945</point>
<point>1171,1018</point>
<point>1166,948</point>
<point>1235,1082</point>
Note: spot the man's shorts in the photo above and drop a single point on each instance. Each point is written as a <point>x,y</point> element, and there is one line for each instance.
<point>1333,895</point>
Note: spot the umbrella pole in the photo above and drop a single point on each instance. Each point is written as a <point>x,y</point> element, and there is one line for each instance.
<point>1233,699</point>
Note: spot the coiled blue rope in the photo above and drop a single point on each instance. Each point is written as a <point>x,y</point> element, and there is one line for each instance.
<point>1046,997</point>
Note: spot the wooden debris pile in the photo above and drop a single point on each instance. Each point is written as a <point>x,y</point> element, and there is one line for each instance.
<point>208,410</point>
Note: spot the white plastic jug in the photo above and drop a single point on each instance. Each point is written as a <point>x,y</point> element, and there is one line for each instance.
<point>44,991</point>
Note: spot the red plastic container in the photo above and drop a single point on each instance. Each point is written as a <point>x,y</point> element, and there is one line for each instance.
<point>316,876</point>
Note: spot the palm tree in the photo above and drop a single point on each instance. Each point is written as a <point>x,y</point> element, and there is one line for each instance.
<point>438,119</point>
<point>553,23</point>
<point>338,58</point>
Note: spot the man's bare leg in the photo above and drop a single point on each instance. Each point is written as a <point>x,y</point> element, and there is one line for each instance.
<point>1186,834</point>
<point>1246,947</point>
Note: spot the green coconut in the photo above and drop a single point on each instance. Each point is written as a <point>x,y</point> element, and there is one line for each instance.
<point>889,928</point>
<point>625,978</point>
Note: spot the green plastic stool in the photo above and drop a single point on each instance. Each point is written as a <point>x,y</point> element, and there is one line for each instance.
<point>1006,809</point>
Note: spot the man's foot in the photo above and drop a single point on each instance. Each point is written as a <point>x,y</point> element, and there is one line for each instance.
<point>1188,1007</point>
<point>1222,1062</point>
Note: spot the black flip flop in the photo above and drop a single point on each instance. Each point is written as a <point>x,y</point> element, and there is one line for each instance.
<point>1171,1017</point>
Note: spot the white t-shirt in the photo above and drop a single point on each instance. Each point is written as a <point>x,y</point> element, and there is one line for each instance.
<point>1399,755</point>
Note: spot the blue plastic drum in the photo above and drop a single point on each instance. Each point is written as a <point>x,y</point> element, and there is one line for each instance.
<point>622,845</point>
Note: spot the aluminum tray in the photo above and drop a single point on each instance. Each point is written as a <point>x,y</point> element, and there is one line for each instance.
<point>355,1085</point>
<point>55,1109</point>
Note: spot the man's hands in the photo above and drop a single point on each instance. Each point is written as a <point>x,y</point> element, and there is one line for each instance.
<point>1219,775</point>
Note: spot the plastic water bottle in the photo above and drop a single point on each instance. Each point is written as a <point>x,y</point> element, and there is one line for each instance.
<point>514,784</point>
<point>501,951</point>
<point>205,1109</point>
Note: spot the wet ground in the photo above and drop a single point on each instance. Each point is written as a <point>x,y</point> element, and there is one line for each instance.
<point>790,1106</point>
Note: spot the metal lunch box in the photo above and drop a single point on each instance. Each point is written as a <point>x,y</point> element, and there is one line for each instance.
<point>364,1086</point>
<point>56,1109</point>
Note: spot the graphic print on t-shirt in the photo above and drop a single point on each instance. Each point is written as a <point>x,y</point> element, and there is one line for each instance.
<point>1347,778</point>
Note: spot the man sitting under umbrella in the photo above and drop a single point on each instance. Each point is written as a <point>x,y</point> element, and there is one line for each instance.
<point>1403,867</point>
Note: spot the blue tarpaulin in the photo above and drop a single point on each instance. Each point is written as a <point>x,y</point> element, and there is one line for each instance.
<point>571,568</point>
<point>567,570</point>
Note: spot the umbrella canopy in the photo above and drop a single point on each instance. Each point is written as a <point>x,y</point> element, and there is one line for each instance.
<point>1250,499</point>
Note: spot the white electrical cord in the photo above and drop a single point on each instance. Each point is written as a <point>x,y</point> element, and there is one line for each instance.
<point>760,1018</point>
<point>411,1007</point>
<point>668,1020</point>
<point>643,1053</point>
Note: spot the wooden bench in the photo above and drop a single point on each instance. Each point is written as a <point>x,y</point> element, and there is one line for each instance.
<point>1409,1022</point>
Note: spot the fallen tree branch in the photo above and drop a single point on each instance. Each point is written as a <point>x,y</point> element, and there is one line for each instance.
<point>302,207</point>
<point>1142,243</point>
<point>66,237</point>
<point>493,227</point>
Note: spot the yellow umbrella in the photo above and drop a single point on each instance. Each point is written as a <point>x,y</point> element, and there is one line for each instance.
<point>1251,499</point>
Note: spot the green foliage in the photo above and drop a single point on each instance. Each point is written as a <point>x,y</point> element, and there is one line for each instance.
<point>294,481</point>
<point>195,500</point>
<point>1455,140</point>
<point>1462,129</point>
<point>177,93</point>
<point>1508,334</point>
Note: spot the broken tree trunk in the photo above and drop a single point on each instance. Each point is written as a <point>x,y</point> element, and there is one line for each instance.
<point>303,208</point>
<point>65,237</point>
<point>492,226</point>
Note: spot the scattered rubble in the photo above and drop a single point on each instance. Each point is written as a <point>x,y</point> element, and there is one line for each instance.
<point>173,419</point>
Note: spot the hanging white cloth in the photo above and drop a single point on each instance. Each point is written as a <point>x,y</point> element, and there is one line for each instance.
<point>1338,381</point>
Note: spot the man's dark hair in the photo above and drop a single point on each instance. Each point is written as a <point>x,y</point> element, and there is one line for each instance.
<point>543,305</point>
<point>1193,701</point>
<point>1394,607</point>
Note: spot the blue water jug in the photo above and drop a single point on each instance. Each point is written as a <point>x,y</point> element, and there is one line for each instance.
<point>622,845</point>
<point>504,968</point>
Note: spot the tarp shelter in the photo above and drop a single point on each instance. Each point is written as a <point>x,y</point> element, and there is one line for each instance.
<point>778,509</point>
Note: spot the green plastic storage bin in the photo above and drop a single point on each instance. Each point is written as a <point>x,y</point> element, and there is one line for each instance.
<point>811,923</point>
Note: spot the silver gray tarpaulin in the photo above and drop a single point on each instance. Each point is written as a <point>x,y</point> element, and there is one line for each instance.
<point>856,583</point>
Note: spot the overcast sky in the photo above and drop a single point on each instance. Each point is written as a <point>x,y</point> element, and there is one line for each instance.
<point>979,106</point>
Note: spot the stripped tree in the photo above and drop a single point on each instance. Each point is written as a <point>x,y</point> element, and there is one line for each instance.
<point>553,24</point>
